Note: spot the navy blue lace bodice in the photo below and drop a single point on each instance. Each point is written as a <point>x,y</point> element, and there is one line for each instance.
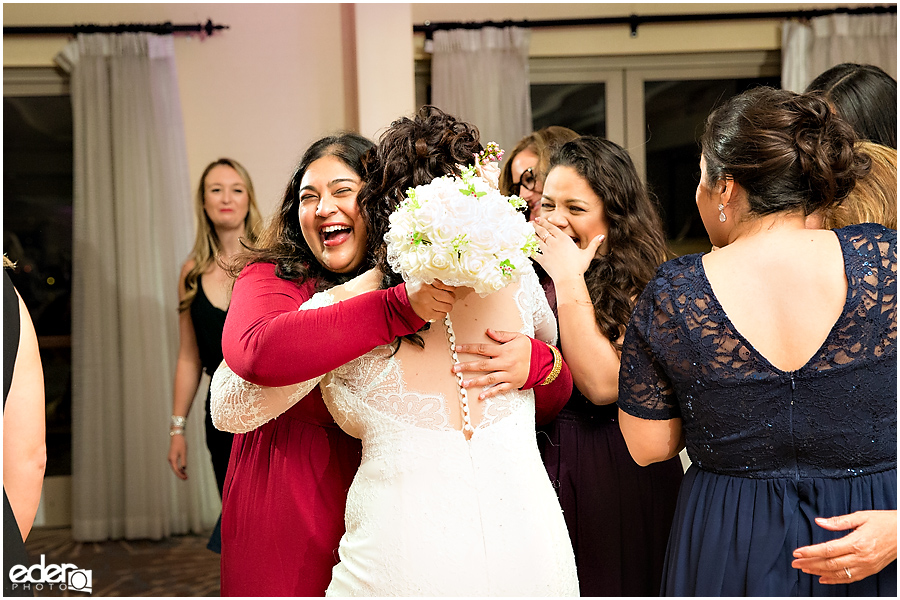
<point>834,417</point>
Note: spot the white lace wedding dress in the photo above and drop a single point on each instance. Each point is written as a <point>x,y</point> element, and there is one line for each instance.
<point>435,510</point>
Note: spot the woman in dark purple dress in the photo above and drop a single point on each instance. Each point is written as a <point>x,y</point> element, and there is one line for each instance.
<point>601,241</point>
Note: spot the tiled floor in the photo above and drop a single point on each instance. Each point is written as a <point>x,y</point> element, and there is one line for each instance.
<point>177,566</point>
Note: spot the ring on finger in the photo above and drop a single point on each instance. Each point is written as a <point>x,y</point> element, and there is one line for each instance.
<point>847,571</point>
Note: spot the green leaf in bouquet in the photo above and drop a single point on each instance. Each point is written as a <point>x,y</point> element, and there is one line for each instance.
<point>506,268</point>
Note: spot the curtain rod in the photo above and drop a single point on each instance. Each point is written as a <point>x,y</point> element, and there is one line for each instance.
<point>161,28</point>
<point>428,28</point>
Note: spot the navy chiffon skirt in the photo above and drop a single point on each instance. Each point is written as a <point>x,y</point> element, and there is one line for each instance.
<point>735,536</point>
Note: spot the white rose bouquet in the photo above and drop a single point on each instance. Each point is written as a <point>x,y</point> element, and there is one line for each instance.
<point>462,231</point>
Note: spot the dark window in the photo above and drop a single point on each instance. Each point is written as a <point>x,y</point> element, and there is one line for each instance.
<point>675,114</point>
<point>37,235</point>
<point>579,106</point>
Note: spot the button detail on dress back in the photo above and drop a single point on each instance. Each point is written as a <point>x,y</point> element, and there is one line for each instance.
<point>468,430</point>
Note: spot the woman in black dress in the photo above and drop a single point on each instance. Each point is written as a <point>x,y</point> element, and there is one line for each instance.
<point>24,448</point>
<point>226,212</point>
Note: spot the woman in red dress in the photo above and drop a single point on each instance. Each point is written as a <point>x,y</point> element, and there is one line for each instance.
<point>284,497</point>
<point>285,493</point>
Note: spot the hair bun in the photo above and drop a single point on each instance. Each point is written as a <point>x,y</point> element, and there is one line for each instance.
<point>789,151</point>
<point>825,150</point>
<point>421,148</point>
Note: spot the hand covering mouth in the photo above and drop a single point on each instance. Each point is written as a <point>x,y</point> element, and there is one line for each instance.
<point>334,235</point>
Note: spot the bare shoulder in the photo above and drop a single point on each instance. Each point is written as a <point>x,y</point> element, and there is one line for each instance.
<point>186,267</point>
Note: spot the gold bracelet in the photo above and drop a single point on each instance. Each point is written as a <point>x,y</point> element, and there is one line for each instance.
<point>557,366</point>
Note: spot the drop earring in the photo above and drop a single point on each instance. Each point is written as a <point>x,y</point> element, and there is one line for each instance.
<point>722,216</point>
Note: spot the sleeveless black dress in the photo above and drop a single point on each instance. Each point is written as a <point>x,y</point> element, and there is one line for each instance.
<point>208,323</point>
<point>13,546</point>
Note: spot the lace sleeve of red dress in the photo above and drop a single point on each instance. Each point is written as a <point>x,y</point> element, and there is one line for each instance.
<point>269,342</point>
<point>551,398</point>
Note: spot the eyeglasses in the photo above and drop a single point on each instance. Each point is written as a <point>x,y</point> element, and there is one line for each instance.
<point>527,181</point>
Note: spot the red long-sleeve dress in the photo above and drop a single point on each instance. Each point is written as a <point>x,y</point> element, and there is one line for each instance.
<point>286,488</point>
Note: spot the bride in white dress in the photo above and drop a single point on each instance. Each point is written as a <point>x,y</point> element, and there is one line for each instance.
<point>433,510</point>
<point>451,497</point>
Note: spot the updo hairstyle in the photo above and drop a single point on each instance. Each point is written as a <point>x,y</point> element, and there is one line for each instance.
<point>789,151</point>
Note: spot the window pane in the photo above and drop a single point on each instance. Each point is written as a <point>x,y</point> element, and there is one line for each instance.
<point>37,235</point>
<point>578,106</point>
<point>675,114</point>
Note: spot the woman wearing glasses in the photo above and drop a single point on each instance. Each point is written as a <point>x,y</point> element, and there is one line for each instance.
<point>526,167</point>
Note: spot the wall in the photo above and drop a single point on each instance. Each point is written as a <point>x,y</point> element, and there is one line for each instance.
<point>384,62</point>
<point>282,76</point>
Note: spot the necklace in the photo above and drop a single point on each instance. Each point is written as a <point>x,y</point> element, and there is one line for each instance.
<point>463,394</point>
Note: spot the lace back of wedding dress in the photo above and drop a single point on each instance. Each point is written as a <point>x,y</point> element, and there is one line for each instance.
<point>416,386</point>
<point>432,511</point>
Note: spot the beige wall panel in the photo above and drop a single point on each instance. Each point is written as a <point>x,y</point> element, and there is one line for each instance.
<point>385,65</point>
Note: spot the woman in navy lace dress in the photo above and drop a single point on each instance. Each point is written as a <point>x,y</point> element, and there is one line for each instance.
<point>773,360</point>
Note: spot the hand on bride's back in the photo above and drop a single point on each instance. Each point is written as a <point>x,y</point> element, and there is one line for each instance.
<point>431,301</point>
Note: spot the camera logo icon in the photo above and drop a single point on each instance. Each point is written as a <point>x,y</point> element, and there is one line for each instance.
<point>80,580</point>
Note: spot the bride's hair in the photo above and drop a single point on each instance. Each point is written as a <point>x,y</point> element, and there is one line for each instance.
<point>282,241</point>
<point>636,243</point>
<point>411,152</point>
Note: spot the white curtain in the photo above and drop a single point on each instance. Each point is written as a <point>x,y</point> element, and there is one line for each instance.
<point>811,47</point>
<point>481,76</point>
<point>131,230</point>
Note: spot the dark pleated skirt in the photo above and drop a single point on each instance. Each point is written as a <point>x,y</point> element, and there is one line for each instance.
<point>617,512</point>
<point>735,536</point>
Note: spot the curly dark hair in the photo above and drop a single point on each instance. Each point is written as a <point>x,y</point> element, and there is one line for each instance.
<point>411,152</point>
<point>282,241</point>
<point>789,151</point>
<point>636,243</point>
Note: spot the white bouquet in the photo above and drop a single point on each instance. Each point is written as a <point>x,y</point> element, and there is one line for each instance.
<point>462,231</point>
